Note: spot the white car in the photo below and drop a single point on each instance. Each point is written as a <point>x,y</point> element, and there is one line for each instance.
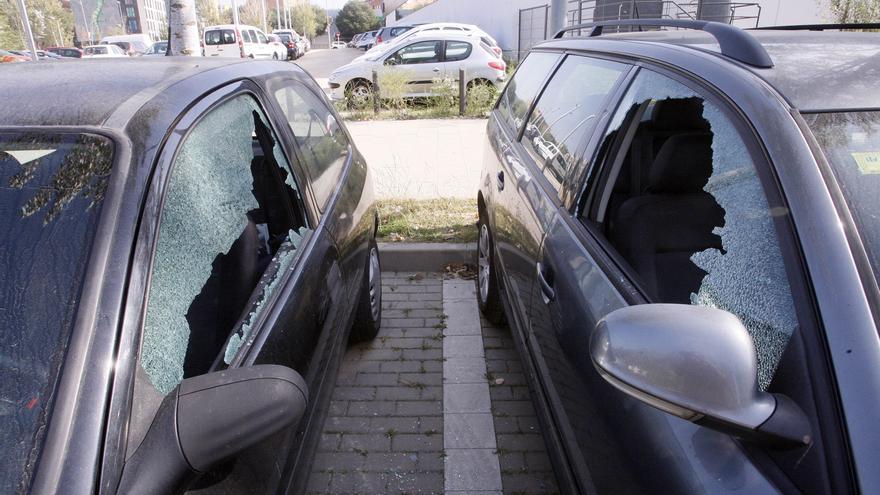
<point>238,41</point>
<point>423,57</point>
<point>103,51</point>
<point>441,27</point>
<point>337,44</point>
<point>367,40</point>
<point>279,46</point>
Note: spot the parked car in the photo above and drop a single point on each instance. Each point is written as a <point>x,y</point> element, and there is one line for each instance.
<point>682,234</point>
<point>103,51</point>
<point>338,44</point>
<point>213,240</point>
<point>67,52</point>
<point>133,44</point>
<point>280,48</point>
<point>241,41</point>
<point>424,58</point>
<point>387,34</point>
<point>288,37</point>
<point>355,39</point>
<point>443,27</point>
<point>41,54</point>
<point>158,49</point>
<point>9,57</point>
<point>366,41</point>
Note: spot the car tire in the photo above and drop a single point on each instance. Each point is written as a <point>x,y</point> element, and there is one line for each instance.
<point>368,316</point>
<point>488,295</point>
<point>359,94</point>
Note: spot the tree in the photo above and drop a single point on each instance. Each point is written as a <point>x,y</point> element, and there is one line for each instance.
<point>320,20</point>
<point>51,24</point>
<point>854,11</point>
<point>209,14</point>
<point>251,12</point>
<point>302,19</point>
<point>356,17</point>
<point>184,28</point>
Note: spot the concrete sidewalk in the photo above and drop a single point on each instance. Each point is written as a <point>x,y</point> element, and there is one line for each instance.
<point>422,159</point>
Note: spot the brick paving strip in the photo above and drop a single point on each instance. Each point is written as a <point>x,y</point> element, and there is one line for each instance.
<point>411,410</point>
<point>468,429</point>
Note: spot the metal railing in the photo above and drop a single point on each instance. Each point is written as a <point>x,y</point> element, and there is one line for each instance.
<point>532,28</point>
<point>742,14</point>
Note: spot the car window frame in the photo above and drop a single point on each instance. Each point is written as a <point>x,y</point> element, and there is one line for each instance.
<point>134,307</point>
<point>441,59</point>
<point>467,54</point>
<point>810,331</point>
<point>608,108</point>
<point>273,83</point>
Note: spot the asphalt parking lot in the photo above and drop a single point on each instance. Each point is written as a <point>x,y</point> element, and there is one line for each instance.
<point>437,403</point>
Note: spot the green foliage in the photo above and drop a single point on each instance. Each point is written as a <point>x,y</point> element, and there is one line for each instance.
<point>320,20</point>
<point>444,91</point>
<point>51,24</point>
<point>393,87</point>
<point>208,14</point>
<point>480,99</point>
<point>302,19</point>
<point>356,17</point>
<point>854,11</point>
<point>250,12</point>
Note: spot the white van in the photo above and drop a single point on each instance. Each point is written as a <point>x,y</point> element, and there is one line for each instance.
<point>241,41</point>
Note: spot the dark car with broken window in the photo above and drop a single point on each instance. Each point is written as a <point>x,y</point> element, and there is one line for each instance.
<point>681,227</point>
<point>188,245</point>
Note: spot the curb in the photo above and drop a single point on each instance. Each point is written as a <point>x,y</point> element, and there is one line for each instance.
<point>425,257</point>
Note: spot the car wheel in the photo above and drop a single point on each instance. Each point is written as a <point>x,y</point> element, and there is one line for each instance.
<point>368,318</point>
<point>488,297</point>
<point>360,94</point>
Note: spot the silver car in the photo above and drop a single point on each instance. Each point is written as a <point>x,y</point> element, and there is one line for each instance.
<point>425,58</point>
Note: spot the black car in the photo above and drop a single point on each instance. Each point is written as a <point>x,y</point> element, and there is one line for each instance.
<point>681,228</point>
<point>188,245</point>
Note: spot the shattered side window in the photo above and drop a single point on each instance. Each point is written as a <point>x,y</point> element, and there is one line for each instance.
<point>689,214</point>
<point>747,277</point>
<point>229,215</point>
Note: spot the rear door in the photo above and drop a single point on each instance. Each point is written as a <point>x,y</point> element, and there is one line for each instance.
<point>221,43</point>
<point>455,56</point>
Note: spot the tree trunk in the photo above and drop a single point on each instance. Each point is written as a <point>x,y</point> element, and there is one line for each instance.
<point>183,28</point>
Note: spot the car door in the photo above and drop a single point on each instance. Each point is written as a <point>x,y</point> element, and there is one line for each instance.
<point>678,207</point>
<point>422,62</point>
<point>559,123</point>
<point>514,200</point>
<point>266,49</point>
<point>455,55</point>
<point>239,273</point>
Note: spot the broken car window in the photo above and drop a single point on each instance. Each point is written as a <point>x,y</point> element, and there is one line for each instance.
<point>688,213</point>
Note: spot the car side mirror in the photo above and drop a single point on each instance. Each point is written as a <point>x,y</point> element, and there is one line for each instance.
<point>209,418</point>
<point>697,363</point>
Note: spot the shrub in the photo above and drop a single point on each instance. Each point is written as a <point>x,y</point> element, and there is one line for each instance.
<point>443,94</point>
<point>480,99</point>
<point>392,88</point>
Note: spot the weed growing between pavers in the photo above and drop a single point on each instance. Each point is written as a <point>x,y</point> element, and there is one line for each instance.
<point>429,220</point>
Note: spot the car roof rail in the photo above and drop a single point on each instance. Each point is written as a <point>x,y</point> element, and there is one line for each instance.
<point>821,27</point>
<point>734,42</point>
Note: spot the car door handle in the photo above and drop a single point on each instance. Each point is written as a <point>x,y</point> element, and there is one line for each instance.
<point>436,69</point>
<point>500,177</point>
<point>547,292</point>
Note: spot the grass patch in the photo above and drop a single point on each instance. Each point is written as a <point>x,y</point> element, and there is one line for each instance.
<point>429,220</point>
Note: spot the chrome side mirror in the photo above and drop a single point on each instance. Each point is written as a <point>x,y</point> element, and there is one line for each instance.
<point>697,363</point>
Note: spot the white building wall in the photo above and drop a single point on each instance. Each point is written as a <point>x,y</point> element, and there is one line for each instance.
<point>500,18</point>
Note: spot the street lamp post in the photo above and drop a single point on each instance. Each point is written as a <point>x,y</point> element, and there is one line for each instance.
<point>26,23</point>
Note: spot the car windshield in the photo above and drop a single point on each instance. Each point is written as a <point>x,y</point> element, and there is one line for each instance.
<point>851,142</point>
<point>51,190</point>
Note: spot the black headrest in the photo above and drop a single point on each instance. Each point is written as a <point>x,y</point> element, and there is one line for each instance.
<point>679,114</point>
<point>683,164</point>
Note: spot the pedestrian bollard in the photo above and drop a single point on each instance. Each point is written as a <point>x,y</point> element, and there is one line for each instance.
<point>375,92</point>
<point>462,93</point>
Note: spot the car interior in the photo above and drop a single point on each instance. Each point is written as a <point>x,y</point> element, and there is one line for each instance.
<point>656,213</point>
